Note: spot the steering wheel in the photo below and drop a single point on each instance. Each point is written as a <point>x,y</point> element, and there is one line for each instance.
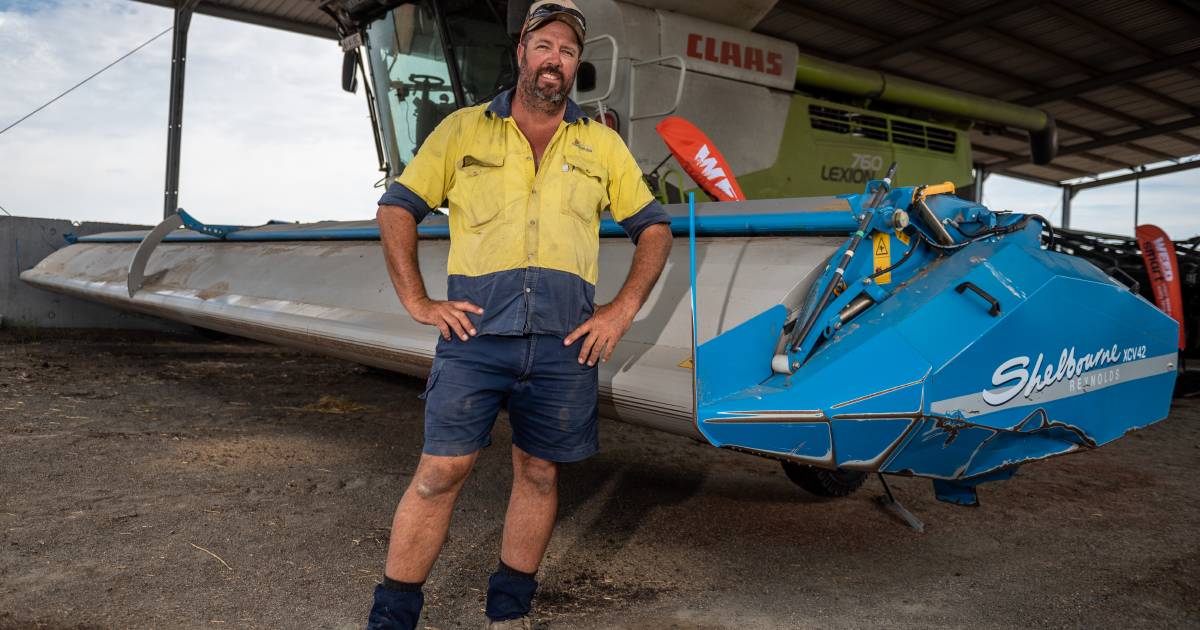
<point>426,81</point>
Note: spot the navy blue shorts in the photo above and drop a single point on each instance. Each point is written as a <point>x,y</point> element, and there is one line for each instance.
<point>551,398</point>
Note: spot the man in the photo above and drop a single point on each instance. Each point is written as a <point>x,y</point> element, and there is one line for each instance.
<point>526,177</point>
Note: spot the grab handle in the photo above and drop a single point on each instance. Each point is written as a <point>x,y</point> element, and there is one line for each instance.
<point>995,310</point>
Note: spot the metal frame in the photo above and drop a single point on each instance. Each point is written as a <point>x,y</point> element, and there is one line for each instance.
<point>183,22</point>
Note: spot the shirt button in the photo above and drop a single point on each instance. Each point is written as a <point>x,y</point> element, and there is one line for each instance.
<point>528,290</point>
<point>533,222</point>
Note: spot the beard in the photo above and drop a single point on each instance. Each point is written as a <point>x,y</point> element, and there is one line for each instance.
<point>539,97</point>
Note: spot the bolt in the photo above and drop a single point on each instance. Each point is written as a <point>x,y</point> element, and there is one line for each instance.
<point>795,365</point>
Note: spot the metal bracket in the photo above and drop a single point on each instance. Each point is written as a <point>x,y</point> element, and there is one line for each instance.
<point>137,268</point>
<point>889,503</point>
<point>219,231</point>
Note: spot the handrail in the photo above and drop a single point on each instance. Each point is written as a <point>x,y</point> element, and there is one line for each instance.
<point>612,73</point>
<point>678,88</point>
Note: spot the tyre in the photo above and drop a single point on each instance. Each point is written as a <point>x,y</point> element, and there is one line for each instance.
<point>824,483</point>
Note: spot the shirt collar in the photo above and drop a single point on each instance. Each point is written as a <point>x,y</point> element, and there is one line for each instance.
<point>502,106</point>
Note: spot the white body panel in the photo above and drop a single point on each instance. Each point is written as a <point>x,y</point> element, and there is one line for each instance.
<point>335,297</point>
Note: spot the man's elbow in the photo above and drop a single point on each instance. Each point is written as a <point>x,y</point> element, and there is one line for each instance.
<point>392,214</point>
<point>659,233</point>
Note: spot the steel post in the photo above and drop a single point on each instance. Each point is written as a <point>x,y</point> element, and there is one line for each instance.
<point>981,175</point>
<point>1068,193</point>
<point>183,21</point>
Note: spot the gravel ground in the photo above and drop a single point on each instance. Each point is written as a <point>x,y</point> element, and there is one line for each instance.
<point>175,481</point>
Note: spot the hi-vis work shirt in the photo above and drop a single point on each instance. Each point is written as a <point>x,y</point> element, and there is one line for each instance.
<point>525,244</point>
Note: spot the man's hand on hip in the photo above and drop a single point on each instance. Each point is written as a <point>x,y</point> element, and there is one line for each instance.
<point>602,332</point>
<point>447,316</point>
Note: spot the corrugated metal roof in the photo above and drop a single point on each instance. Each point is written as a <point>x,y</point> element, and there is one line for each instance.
<point>300,16</point>
<point>1025,52</point>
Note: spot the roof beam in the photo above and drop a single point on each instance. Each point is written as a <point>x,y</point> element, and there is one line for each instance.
<point>1074,64</point>
<point>1162,64</point>
<point>1019,159</point>
<point>1122,138</point>
<point>998,9</point>
<point>1150,172</point>
<point>252,17</point>
<point>1027,178</point>
<point>938,11</point>
<point>861,31</point>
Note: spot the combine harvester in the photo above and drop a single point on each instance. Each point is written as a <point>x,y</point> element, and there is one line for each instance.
<point>893,330</point>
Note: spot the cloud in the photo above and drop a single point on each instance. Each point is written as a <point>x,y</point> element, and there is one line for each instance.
<point>268,133</point>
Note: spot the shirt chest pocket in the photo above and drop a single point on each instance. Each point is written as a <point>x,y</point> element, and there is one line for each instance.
<point>585,193</point>
<point>479,191</point>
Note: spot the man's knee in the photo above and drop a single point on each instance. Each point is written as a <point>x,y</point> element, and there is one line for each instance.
<point>540,474</point>
<point>438,477</point>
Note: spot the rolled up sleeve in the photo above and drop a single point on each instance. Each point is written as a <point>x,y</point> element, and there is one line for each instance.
<point>632,205</point>
<point>650,214</point>
<point>423,184</point>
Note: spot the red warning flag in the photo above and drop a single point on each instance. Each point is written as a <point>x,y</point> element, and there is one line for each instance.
<point>1158,252</point>
<point>700,158</point>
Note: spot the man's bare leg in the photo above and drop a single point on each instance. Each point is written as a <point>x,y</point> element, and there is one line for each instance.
<point>423,516</point>
<point>532,507</point>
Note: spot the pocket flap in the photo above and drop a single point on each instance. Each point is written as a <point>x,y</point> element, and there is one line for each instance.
<point>482,159</point>
<point>585,164</point>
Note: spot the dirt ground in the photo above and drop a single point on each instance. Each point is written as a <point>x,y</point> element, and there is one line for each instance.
<point>151,481</point>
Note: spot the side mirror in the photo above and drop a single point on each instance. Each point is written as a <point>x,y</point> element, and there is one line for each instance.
<point>350,71</point>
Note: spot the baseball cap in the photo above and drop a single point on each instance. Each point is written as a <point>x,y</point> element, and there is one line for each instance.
<point>543,12</point>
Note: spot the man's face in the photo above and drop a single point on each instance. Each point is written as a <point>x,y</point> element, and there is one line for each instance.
<point>549,58</point>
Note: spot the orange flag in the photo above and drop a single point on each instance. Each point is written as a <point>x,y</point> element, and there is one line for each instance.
<point>703,163</point>
<point>1158,252</point>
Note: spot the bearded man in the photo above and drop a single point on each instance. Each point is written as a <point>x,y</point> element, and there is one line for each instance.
<point>526,177</point>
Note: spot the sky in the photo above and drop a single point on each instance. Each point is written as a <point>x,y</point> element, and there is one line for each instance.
<point>269,134</point>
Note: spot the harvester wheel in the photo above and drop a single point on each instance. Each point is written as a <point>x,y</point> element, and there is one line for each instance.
<point>824,483</point>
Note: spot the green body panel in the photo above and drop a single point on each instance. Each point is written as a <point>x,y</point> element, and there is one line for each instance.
<point>814,72</point>
<point>849,146</point>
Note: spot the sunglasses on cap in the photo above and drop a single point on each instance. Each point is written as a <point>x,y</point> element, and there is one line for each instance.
<point>546,11</point>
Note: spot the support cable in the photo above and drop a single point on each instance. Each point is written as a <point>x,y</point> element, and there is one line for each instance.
<point>94,75</point>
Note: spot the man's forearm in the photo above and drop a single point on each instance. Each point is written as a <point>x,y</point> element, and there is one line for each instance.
<point>653,247</point>
<point>398,233</point>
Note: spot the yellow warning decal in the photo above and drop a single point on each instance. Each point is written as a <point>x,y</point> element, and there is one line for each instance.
<point>903,236</point>
<point>883,256</point>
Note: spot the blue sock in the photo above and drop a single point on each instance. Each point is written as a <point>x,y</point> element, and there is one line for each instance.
<point>397,606</point>
<point>510,593</point>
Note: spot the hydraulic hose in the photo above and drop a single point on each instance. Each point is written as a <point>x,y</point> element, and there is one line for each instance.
<point>873,205</point>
